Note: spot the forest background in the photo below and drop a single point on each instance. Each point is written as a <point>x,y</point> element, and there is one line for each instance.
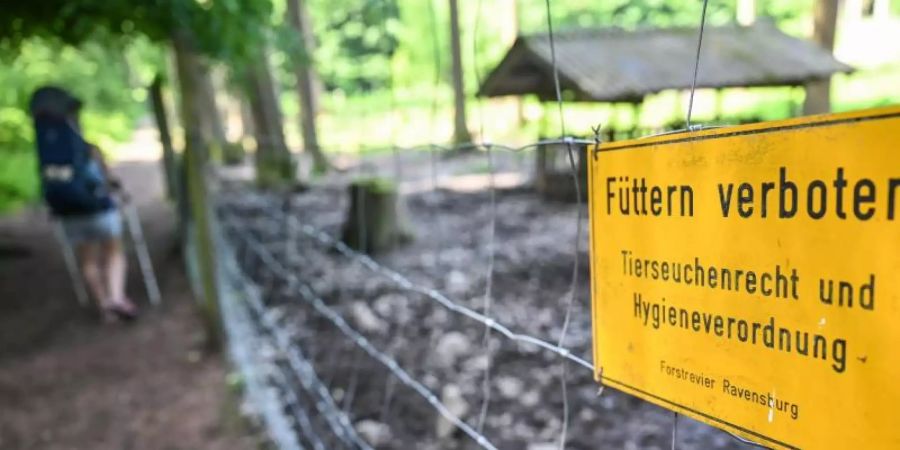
<point>385,72</point>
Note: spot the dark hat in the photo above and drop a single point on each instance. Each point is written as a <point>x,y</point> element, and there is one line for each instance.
<point>53,101</point>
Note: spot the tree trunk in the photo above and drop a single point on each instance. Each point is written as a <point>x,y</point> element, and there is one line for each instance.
<point>274,165</point>
<point>460,129</point>
<point>197,95</point>
<point>374,221</point>
<point>818,93</point>
<point>212,120</point>
<point>165,138</point>
<point>509,33</point>
<point>195,144</point>
<point>189,71</point>
<point>308,85</point>
<point>204,247</point>
<point>246,118</point>
<point>192,205</point>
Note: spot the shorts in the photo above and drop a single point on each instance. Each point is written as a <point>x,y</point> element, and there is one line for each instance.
<point>102,226</point>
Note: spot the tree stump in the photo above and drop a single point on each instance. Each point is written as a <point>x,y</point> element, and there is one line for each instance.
<point>274,170</point>
<point>375,220</point>
<point>233,153</point>
<point>553,172</point>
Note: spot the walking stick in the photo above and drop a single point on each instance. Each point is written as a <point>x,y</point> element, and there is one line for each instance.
<point>143,254</point>
<point>71,263</point>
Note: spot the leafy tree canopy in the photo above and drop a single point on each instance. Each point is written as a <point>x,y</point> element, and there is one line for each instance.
<point>226,29</point>
<point>357,41</point>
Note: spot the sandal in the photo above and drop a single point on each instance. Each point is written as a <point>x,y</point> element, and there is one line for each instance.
<point>122,309</point>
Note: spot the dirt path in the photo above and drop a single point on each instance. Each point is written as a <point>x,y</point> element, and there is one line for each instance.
<point>67,382</point>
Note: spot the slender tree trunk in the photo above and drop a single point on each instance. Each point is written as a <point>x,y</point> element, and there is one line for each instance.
<point>195,144</point>
<point>308,85</point>
<point>818,93</point>
<point>509,34</point>
<point>274,165</point>
<point>215,127</point>
<point>204,247</point>
<point>165,138</point>
<point>246,118</point>
<point>172,74</point>
<point>460,129</point>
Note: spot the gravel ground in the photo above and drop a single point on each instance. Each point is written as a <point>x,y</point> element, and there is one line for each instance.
<point>451,216</point>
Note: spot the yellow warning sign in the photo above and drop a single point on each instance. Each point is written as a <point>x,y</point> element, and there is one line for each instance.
<point>749,277</point>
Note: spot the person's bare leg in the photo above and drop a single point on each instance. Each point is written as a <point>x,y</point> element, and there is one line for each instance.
<point>89,259</point>
<point>114,271</point>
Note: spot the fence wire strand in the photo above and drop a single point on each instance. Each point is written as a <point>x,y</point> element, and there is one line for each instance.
<point>432,294</point>
<point>690,110</point>
<point>573,289</point>
<point>310,297</point>
<point>492,230</point>
<point>337,421</point>
<point>696,64</point>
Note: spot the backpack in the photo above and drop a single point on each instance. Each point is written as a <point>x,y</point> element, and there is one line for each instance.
<point>72,181</point>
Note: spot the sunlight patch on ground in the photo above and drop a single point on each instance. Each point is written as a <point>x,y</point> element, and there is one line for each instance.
<point>468,183</point>
<point>144,146</point>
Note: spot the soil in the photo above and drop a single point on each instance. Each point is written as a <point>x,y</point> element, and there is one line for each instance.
<point>68,382</point>
<point>451,216</point>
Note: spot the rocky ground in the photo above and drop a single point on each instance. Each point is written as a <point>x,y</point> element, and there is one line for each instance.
<point>450,212</point>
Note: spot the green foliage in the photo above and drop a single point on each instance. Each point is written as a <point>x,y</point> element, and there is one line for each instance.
<point>18,180</point>
<point>75,21</point>
<point>357,42</point>
<point>622,13</point>
<point>228,30</point>
<point>231,31</point>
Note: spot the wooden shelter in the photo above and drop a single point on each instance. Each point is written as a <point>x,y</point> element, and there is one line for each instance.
<point>615,65</point>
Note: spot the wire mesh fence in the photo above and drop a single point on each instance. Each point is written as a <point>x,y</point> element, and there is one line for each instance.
<point>476,333</point>
<point>339,349</point>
